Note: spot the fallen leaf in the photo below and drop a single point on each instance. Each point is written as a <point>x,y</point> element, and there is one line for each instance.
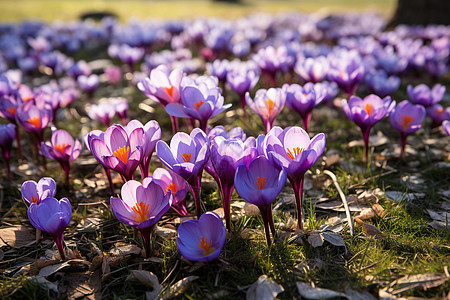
<point>16,237</point>
<point>264,289</point>
<point>80,285</point>
<point>333,238</point>
<point>125,250</point>
<point>399,196</point>
<point>422,281</point>
<point>43,282</point>
<point>70,264</point>
<point>355,295</point>
<point>370,212</point>
<point>370,230</point>
<point>310,292</point>
<point>165,232</point>
<point>148,279</point>
<point>315,239</point>
<point>178,288</point>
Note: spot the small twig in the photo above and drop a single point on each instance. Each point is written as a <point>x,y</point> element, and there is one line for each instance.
<point>370,178</point>
<point>344,200</point>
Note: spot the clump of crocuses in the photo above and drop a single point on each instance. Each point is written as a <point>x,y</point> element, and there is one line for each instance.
<point>62,148</point>
<point>407,118</point>
<point>141,206</point>
<point>260,183</point>
<point>202,239</point>
<point>365,113</point>
<point>52,216</point>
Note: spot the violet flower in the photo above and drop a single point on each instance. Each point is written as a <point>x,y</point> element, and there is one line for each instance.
<point>226,155</point>
<point>259,183</point>
<point>303,100</point>
<point>103,112</point>
<point>382,85</point>
<point>446,126</point>
<point>267,104</point>
<point>425,96</point>
<point>187,156</point>
<point>234,133</point>
<point>200,101</point>
<point>203,239</point>
<point>62,148</point>
<point>313,69</point>
<point>7,135</point>
<point>242,80</point>
<point>438,114</point>
<point>141,206</point>
<point>169,180</point>
<point>130,55</point>
<point>119,150</point>
<point>113,74</point>
<point>164,87</point>
<point>293,150</point>
<point>406,118</point>
<point>88,84</point>
<point>347,70</point>
<point>52,216</point>
<point>33,192</point>
<point>365,113</point>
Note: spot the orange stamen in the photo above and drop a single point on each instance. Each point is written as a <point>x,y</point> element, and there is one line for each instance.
<point>61,147</point>
<point>440,110</point>
<point>296,151</point>
<point>342,74</point>
<point>186,157</point>
<point>198,104</point>
<point>141,210</point>
<point>169,91</point>
<point>207,247</point>
<point>12,110</point>
<point>260,183</point>
<point>122,153</point>
<point>27,98</point>
<point>172,187</point>
<point>406,121</point>
<point>368,108</point>
<point>36,121</point>
<point>270,104</point>
<point>35,199</point>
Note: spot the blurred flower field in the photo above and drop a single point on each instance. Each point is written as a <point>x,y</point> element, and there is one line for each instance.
<point>259,156</point>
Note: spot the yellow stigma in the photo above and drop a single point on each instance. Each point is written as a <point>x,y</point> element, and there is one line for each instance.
<point>186,157</point>
<point>172,187</point>
<point>260,183</point>
<point>368,108</point>
<point>141,210</point>
<point>406,121</point>
<point>296,151</point>
<point>207,247</point>
<point>122,153</point>
<point>61,147</point>
<point>36,121</point>
<point>270,104</point>
<point>198,104</point>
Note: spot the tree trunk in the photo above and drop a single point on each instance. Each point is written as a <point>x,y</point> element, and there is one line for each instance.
<point>421,12</point>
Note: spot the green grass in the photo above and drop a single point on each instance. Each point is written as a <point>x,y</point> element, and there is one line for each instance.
<point>50,10</point>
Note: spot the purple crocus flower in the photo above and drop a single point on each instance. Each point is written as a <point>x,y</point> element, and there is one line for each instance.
<point>226,155</point>
<point>242,79</point>
<point>79,68</point>
<point>203,239</point>
<point>382,85</point>
<point>164,87</point>
<point>152,134</point>
<point>187,156</point>
<point>52,216</point>
<point>438,114</point>
<point>130,55</point>
<point>219,69</point>
<point>267,104</point>
<point>259,183</point>
<point>62,148</point>
<point>141,206</point>
<point>302,100</point>
<point>234,133</point>
<point>293,150</point>
<point>406,118</point>
<point>113,74</point>
<point>7,134</point>
<point>446,126</point>
<point>169,180</point>
<point>201,101</point>
<point>88,83</point>
<point>425,96</point>
<point>33,192</point>
<point>272,60</point>
<point>313,69</point>
<point>119,150</point>
<point>103,112</point>
<point>365,113</point>
<point>347,70</point>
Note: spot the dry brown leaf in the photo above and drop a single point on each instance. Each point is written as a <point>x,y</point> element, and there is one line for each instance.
<point>310,292</point>
<point>370,212</point>
<point>125,250</point>
<point>70,264</point>
<point>264,289</point>
<point>16,236</point>
<point>315,239</point>
<point>372,231</point>
<point>178,288</point>
<point>148,279</point>
<point>421,281</point>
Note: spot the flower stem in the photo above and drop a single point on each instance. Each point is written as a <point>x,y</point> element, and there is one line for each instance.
<point>111,185</point>
<point>19,147</point>
<point>403,137</point>
<point>306,121</point>
<point>174,121</point>
<point>8,168</point>
<point>146,234</point>
<point>366,135</point>
<point>58,238</point>
<point>263,209</point>
<point>298,192</point>
<point>226,199</point>
<point>243,104</point>
<point>203,125</point>
<point>196,189</point>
